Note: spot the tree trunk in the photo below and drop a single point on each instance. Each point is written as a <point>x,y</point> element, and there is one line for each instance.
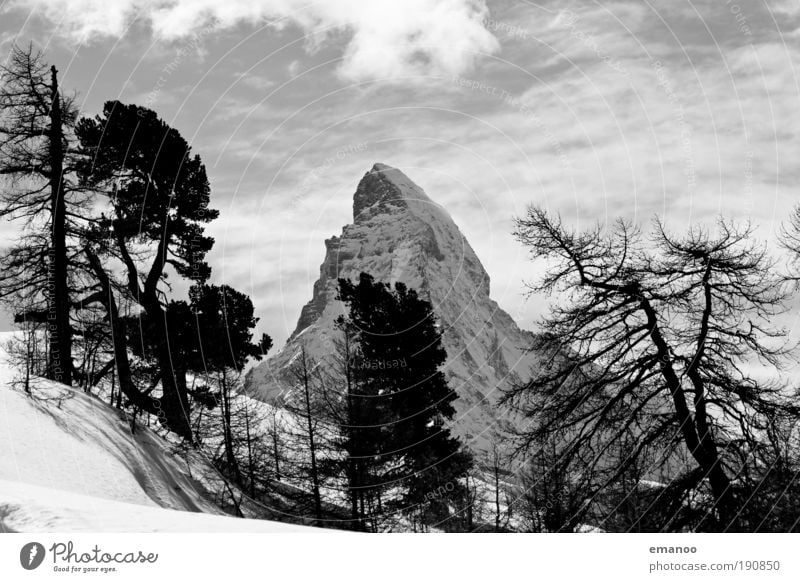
<point>275,453</point>
<point>362,512</point>
<point>119,390</point>
<point>111,397</point>
<point>496,497</point>
<point>354,515</point>
<point>60,356</point>
<point>119,340</point>
<point>311,443</point>
<point>354,465</point>
<point>174,412</point>
<point>28,359</point>
<point>250,467</point>
<point>230,458</point>
<point>700,442</point>
<point>471,500</point>
<point>275,443</point>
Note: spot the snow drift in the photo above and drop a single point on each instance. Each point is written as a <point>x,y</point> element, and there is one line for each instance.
<point>70,462</point>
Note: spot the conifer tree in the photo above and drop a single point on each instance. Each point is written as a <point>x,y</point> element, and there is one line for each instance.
<point>157,202</point>
<point>406,395</point>
<point>218,340</point>
<point>37,161</point>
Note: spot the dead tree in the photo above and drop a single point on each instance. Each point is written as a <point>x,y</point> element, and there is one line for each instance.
<point>37,160</point>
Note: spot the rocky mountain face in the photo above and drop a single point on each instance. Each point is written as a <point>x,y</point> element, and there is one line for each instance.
<point>400,234</point>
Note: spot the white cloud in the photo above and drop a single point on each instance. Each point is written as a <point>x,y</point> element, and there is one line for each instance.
<point>704,133</point>
<point>389,38</point>
<point>784,8</point>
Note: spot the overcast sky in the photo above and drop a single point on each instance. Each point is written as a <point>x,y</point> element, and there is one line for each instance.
<point>598,109</point>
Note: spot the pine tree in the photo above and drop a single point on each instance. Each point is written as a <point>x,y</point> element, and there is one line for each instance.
<point>217,336</point>
<point>157,202</point>
<point>406,395</point>
<point>348,409</point>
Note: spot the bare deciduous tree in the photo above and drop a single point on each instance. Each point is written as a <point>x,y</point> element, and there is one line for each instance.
<point>308,410</point>
<point>663,336</point>
<point>36,161</point>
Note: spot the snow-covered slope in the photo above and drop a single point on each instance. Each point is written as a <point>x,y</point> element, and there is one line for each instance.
<point>70,462</point>
<point>61,438</point>
<point>29,508</point>
<point>400,234</point>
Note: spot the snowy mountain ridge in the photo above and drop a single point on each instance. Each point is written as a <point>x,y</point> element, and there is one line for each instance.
<point>399,234</point>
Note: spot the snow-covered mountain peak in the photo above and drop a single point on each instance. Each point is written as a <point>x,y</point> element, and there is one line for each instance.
<point>382,188</point>
<point>400,234</point>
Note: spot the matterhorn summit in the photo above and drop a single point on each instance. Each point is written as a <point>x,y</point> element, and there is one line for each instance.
<point>400,234</point>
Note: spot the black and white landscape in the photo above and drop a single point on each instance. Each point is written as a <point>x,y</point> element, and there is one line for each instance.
<point>469,266</point>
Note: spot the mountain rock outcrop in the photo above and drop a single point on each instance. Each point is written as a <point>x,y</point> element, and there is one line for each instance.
<point>400,234</point>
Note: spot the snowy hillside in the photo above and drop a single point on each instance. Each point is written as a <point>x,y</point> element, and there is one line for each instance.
<point>70,463</point>
<point>400,234</point>
<point>29,508</point>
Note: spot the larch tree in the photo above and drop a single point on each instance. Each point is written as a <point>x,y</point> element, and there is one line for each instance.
<point>37,161</point>
<point>663,337</point>
<point>304,403</point>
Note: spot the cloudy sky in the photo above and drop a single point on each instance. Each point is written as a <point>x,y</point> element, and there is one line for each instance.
<point>595,108</point>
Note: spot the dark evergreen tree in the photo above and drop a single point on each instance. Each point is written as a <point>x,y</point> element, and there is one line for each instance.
<point>157,202</point>
<point>222,321</point>
<point>218,336</point>
<point>404,394</point>
<point>349,410</point>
